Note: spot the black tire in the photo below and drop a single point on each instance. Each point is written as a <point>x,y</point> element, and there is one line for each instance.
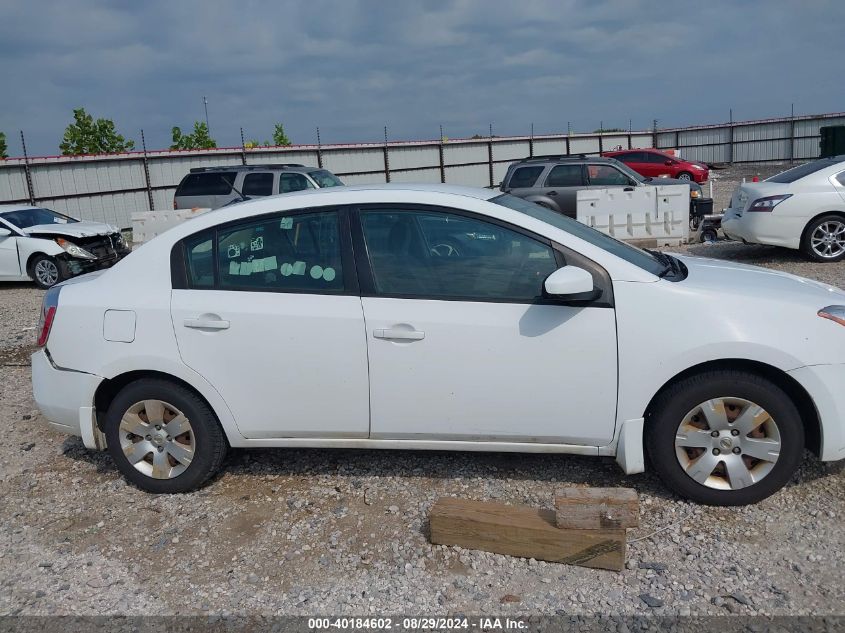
<point>684,175</point>
<point>709,235</point>
<point>678,400</point>
<point>45,263</point>
<point>806,238</point>
<point>210,441</point>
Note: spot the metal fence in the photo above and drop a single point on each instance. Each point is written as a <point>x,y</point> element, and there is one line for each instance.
<point>111,187</point>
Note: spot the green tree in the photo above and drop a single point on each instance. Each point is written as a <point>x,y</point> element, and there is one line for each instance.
<point>3,147</point>
<point>279,136</point>
<point>198,139</point>
<point>87,136</point>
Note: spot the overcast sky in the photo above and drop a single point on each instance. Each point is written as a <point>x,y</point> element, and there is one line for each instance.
<point>353,66</point>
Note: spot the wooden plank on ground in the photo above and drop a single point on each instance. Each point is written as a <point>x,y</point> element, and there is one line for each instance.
<point>591,508</point>
<point>523,531</point>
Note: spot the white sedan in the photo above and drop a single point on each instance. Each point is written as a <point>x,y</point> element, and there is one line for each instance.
<point>437,317</point>
<point>801,208</point>
<point>47,247</point>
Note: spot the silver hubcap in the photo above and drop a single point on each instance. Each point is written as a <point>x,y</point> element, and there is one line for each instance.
<point>828,240</point>
<point>727,443</point>
<point>684,177</point>
<point>46,272</point>
<point>157,439</point>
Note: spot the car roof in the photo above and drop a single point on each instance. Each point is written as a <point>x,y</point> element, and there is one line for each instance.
<point>16,207</point>
<point>457,190</point>
<point>563,158</point>
<point>296,167</point>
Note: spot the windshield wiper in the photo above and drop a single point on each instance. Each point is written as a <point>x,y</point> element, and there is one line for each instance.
<point>669,263</point>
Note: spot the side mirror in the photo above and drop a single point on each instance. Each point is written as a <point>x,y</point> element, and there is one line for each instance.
<point>571,283</point>
<point>4,232</point>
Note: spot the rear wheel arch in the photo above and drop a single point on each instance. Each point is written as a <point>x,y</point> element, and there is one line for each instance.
<point>110,387</point>
<point>799,396</point>
<point>809,223</point>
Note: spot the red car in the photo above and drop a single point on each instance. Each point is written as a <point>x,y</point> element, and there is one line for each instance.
<point>654,163</point>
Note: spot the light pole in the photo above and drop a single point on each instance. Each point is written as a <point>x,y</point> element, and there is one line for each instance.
<point>205,105</point>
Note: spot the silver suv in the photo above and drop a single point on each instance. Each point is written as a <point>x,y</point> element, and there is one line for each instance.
<point>214,187</point>
<point>553,181</point>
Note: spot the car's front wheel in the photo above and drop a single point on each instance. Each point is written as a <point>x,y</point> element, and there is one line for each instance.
<point>163,437</point>
<point>45,271</point>
<point>824,239</point>
<point>724,438</point>
<point>685,175</point>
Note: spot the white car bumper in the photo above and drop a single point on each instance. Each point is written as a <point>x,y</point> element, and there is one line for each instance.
<point>825,383</point>
<point>763,228</point>
<point>66,398</point>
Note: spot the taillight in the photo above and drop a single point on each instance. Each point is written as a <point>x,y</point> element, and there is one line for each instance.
<point>48,314</point>
<point>768,203</point>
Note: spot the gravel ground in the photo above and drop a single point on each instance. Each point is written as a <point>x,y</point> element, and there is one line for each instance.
<point>345,532</point>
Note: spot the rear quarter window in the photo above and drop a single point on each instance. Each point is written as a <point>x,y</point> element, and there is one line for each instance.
<point>207,184</point>
<point>525,176</point>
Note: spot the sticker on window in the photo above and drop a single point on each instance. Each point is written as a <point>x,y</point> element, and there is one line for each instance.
<point>257,244</point>
<point>329,273</point>
<point>233,251</point>
<point>286,223</point>
<point>316,272</point>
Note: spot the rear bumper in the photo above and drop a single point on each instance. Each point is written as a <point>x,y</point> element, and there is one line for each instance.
<point>825,383</point>
<point>65,397</point>
<point>762,228</point>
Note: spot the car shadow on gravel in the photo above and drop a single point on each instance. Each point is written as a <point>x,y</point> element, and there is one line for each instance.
<point>495,471</point>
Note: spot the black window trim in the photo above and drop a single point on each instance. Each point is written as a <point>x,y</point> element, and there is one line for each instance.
<point>563,256</point>
<point>178,257</point>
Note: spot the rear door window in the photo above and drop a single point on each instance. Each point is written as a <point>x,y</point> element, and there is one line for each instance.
<point>260,184</point>
<point>565,176</point>
<point>524,177</point>
<point>607,176</point>
<point>217,183</point>
<point>286,253</point>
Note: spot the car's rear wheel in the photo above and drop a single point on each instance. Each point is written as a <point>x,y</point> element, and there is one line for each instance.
<point>163,437</point>
<point>724,438</point>
<point>824,239</point>
<point>45,271</point>
<point>684,175</point>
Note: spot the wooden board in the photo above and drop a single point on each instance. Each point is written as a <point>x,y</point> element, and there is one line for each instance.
<point>523,531</point>
<point>592,508</point>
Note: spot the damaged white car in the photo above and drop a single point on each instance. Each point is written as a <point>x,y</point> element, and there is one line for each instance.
<point>48,247</point>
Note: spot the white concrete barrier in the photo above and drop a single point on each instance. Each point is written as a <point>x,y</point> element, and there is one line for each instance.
<point>659,213</point>
<point>148,224</point>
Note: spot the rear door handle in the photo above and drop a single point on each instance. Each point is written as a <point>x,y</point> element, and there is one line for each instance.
<point>207,324</point>
<point>628,189</point>
<point>399,335</point>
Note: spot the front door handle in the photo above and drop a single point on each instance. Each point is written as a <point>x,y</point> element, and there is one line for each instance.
<point>399,335</point>
<point>552,193</point>
<point>628,189</point>
<point>207,324</point>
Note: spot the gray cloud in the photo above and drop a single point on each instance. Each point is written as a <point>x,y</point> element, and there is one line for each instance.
<point>353,66</point>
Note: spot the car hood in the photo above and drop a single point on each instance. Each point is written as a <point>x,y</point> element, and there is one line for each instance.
<point>72,229</point>
<point>751,281</point>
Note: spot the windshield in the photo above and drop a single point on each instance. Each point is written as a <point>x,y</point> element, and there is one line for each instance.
<point>325,178</point>
<point>630,254</point>
<point>791,175</point>
<point>25,218</point>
